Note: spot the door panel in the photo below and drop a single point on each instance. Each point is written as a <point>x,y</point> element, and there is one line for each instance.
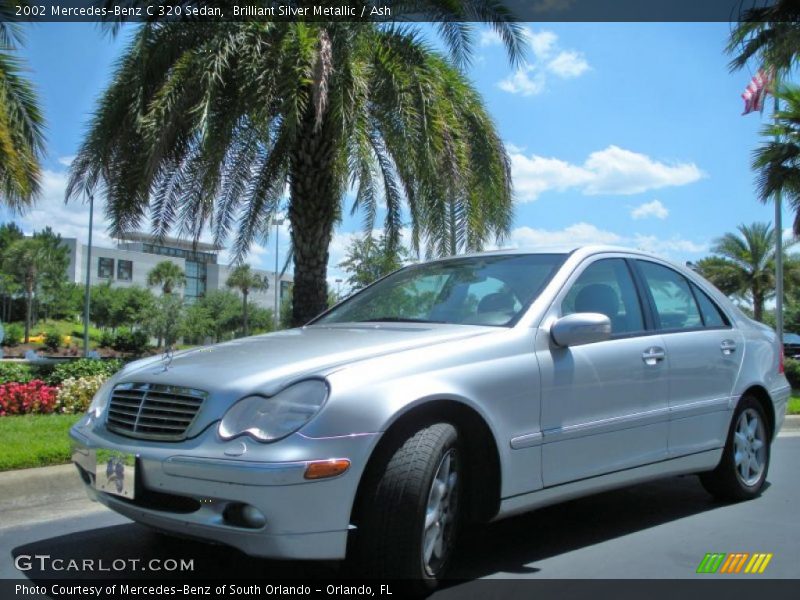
<point>603,408</point>
<point>604,405</point>
<point>705,359</point>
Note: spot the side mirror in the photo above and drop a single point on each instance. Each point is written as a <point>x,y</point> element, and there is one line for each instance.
<point>581,328</point>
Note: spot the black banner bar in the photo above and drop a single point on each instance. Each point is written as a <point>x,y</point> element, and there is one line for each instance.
<point>385,11</point>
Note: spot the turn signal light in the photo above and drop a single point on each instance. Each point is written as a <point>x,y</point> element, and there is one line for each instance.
<point>320,469</point>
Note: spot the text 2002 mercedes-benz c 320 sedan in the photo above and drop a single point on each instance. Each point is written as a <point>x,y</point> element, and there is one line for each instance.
<point>470,388</point>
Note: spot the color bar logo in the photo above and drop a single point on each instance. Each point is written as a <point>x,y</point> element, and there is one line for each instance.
<point>736,562</point>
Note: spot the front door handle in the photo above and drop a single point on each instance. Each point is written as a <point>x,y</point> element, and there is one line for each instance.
<point>653,355</point>
<point>728,347</point>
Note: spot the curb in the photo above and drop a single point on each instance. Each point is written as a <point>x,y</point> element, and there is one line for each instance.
<point>39,486</point>
<point>791,423</point>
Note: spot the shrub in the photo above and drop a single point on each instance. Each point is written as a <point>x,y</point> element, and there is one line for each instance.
<point>14,335</point>
<point>83,367</point>
<point>106,339</point>
<point>75,394</point>
<point>791,369</point>
<point>52,340</point>
<point>133,342</point>
<point>11,372</point>
<point>25,398</point>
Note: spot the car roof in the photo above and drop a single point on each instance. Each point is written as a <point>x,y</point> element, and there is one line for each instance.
<point>584,249</point>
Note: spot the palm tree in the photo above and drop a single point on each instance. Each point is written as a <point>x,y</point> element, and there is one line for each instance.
<point>744,265</point>
<point>33,262</point>
<point>770,34</point>
<point>168,275</point>
<point>21,120</point>
<point>245,280</point>
<point>207,124</point>
<point>777,161</point>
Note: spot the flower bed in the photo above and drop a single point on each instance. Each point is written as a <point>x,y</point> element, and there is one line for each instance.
<point>25,398</point>
<point>67,388</point>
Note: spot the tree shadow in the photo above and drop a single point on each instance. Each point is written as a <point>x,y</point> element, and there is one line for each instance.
<point>514,545</point>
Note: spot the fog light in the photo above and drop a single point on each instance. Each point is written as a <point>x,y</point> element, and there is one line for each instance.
<point>320,469</point>
<point>253,517</point>
<point>244,515</point>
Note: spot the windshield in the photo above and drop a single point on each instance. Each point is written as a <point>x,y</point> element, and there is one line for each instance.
<point>487,290</point>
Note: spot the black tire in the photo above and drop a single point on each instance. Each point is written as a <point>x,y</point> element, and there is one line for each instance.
<point>394,500</point>
<point>727,482</point>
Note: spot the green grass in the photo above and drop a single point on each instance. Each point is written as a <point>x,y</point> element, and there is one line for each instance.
<point>73,328</point>
<point>794,404</point>
<point>35,440</point>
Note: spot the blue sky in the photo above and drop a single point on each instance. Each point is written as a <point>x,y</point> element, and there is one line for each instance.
<point>623,133</point>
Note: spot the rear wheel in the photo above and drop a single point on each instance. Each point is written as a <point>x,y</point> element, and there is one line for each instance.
<point>742,471</point>
<point>410,508</point>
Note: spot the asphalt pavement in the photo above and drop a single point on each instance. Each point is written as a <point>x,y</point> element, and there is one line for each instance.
<point>658,530</point>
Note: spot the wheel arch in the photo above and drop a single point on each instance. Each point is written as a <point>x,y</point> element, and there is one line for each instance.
<point>482,454</point>
<point>761,394</point>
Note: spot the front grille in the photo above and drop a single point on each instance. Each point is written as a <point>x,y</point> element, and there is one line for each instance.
<point>153,411</point>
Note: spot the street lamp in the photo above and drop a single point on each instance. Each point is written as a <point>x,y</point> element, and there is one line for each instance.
<point>277,223</point>
<point>338,289</point>
<point>87,293</point>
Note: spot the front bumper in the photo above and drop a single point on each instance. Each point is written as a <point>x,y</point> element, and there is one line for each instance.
<point>194,488</point>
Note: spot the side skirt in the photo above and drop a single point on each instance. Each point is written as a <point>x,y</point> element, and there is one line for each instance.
<point>693,463</point>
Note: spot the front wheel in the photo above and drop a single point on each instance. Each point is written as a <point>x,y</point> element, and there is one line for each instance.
<point>742,471</point>
<point>410,508</point>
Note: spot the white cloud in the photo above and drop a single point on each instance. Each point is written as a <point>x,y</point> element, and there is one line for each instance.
<point>585,233</point>
<point>620,171</point>
<point>666,247</point>
<point>70,220</point>
<point>537,174</point>
<point>579,233</point>
<point>610,171</point>
<point>513,148</point>
<point>524,81</point>
<point>547,59</point>
<point>542,42</point>
<point>66,160</point>
<point>488,37</point>
<point>568,64</point>
<point>650,209</point>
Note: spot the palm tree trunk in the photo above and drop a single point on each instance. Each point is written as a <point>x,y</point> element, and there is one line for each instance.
<point>28,313</point>
<point>244,313</point>
<point>312,213</point>
<point>758,304</point>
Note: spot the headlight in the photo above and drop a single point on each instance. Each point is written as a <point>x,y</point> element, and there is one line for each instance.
<point>101,398</point>
<point>270,419</point>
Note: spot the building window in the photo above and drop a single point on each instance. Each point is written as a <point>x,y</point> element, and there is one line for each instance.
<point>105,268</point>
<point>124,270</point>
<point>195,281</point>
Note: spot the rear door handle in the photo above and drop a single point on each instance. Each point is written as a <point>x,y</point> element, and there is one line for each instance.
<point>728,347</point>
<point>653,355</point>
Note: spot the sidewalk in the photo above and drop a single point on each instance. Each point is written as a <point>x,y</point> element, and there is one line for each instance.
<point>42,494</point>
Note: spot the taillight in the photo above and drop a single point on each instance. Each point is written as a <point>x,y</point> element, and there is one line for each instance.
<point>780,363</point>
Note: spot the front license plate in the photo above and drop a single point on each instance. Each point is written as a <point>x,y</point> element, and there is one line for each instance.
<point>115,473</point>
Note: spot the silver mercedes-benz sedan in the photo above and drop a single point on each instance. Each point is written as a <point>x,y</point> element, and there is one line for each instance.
<point>459,390</point>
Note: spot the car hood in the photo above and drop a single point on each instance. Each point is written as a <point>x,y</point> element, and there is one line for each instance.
<point>267,363</point>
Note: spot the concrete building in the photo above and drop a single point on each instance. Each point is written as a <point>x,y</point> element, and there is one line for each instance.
<point>137,253</point>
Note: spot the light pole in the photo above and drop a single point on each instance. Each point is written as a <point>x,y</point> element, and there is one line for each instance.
<point>338,289</point>
<point>87,293</point>
<point>277,223</point>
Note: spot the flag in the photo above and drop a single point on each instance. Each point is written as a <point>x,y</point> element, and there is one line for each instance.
<point>756,91</point>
